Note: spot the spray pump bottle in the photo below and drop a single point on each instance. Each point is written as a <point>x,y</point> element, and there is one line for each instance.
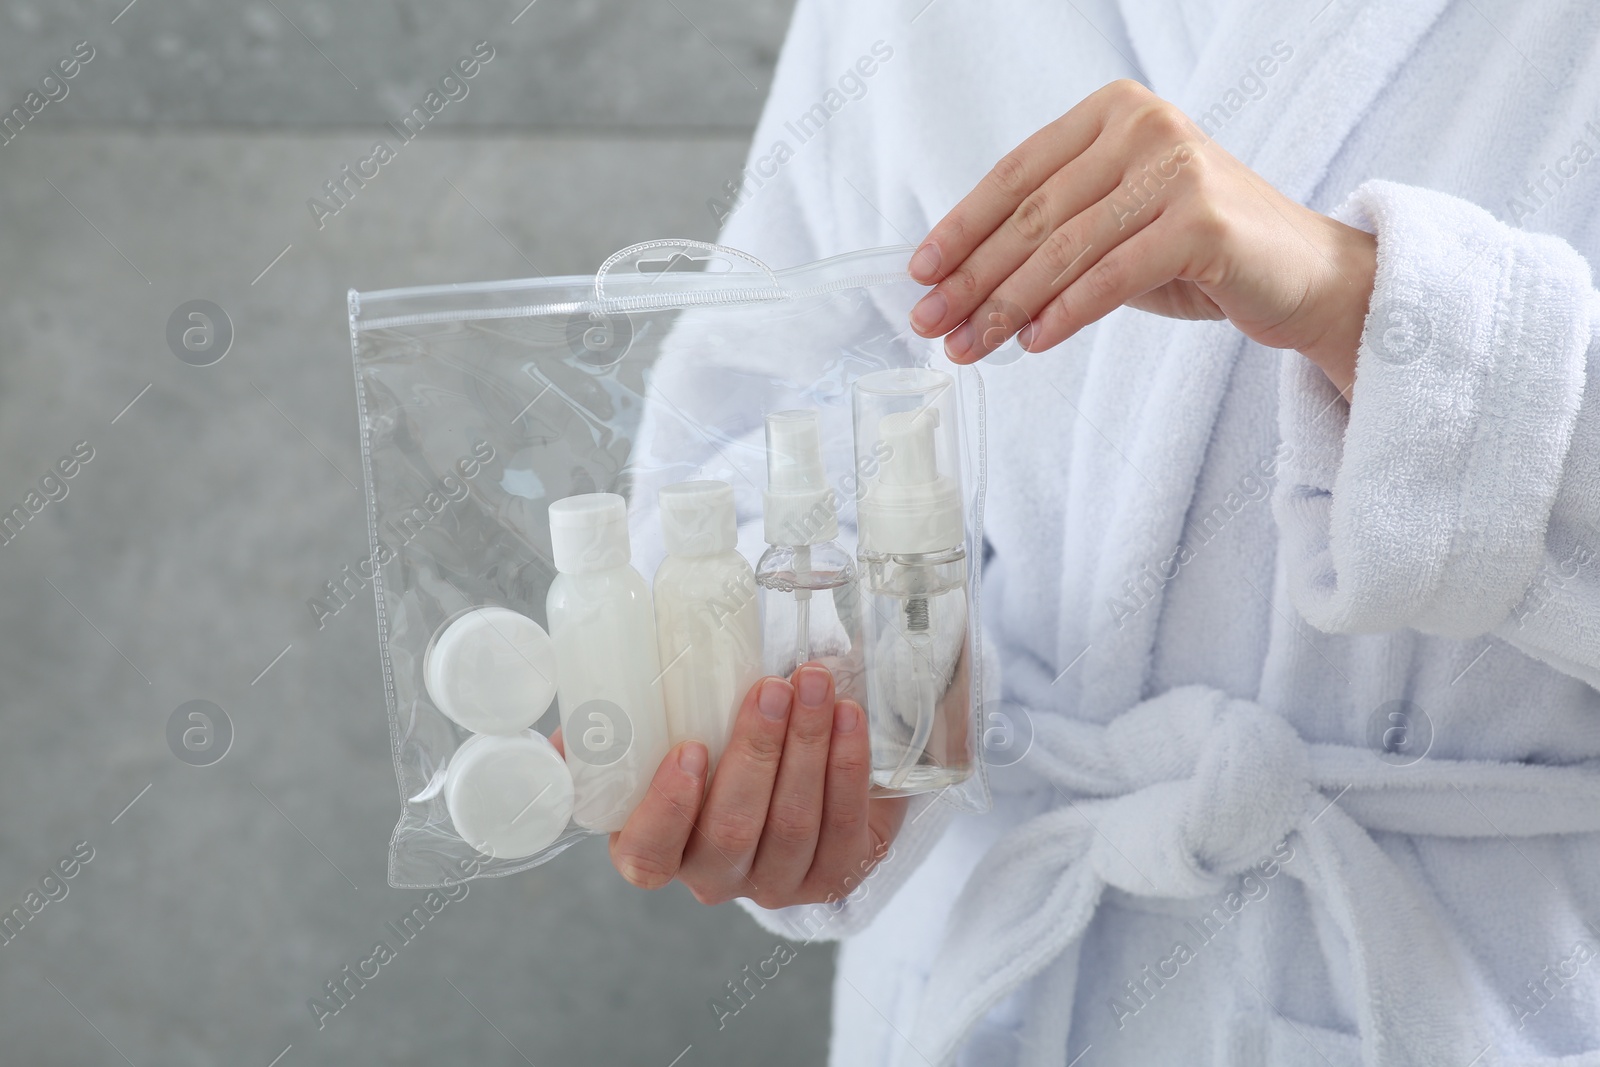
<point>810,601</point>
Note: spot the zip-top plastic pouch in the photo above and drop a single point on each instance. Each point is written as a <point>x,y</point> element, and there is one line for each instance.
<point>797,474</point>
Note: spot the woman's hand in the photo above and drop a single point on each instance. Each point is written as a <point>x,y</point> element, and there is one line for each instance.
<point>786,819</point>
<point>1123,200</point>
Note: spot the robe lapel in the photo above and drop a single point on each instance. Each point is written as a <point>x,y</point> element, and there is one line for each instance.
<point>1168,37</point>
<point>1148,402</point>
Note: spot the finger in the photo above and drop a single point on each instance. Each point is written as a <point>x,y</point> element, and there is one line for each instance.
<point>1065,256</point>
<point>1067,193</point>
<point>790,836</point>
<point>885,816</point>
<point>1019,173</point>
<point>648,850</point>
<point>1148,259</point>
<point>735,810</point>
<point>842,844</point>
<point>555,739</point>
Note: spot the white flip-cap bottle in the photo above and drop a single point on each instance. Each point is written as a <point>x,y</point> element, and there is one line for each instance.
<point>708,621</point>
<point>810,606</point>
<point>608,684</point>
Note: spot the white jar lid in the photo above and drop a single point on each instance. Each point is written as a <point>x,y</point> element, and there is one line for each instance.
<point>492,670</point>
<point>509,797</point>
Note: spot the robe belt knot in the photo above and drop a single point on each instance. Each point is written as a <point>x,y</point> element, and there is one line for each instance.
<point>1212,786</point>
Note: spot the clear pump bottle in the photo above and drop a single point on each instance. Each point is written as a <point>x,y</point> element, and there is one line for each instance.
<point>608,679</point>
<point>810,600</point>
<point>708,621</point>
<point>913,562</point>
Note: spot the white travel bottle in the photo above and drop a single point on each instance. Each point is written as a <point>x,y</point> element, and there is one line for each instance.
<point>708,623</point>
<point>913,560</point>
<point>608,686</point>
<point>810,602</point>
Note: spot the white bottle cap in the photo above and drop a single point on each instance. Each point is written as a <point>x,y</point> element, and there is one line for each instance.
<point>589,533</point>
<point>799,507</point>
<point>910,507</point>
<point>492,670</point>
<point>697,518</point>
<point>509,797</point>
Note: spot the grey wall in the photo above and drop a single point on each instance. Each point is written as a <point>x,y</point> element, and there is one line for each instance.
<point>585,65</point>
<point>179,564</point>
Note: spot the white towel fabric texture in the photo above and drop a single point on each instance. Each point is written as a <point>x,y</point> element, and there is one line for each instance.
<point>1314,781</point>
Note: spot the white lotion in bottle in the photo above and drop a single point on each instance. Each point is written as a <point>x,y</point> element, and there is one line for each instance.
<point>608,686</point>
<point>707,619</point>
<point>810,601</point>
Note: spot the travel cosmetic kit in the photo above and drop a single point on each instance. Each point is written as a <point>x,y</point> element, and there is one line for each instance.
<point>633,495</point>
<point>635,674</point>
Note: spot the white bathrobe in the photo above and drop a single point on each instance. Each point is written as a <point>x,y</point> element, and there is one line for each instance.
<point>1314,779</point>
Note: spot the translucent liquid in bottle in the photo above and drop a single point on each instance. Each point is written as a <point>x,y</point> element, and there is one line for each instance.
<point>914,575</point>
<point>809,596</point>
<point>811,612</point>
<point>917,671</point>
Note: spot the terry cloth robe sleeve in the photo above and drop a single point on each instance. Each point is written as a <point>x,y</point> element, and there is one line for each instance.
<point>1459,492</point>
<point>784,220</point>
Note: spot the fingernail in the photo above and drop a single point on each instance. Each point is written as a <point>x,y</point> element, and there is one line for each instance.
<point>692,759</point>
<point>924,265</point>
<point>813,685</point>
<point>1025,337</point>
<point>774,699</point>
<point>958,343</point>
<point>845,717</point>
<point>930,311</point>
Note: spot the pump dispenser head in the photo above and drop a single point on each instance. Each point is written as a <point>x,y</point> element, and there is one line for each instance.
<point>698,518</point>
<point>799,506</point>
<point>589,533</point>
<point>908,444</point>
<point>909,506</point>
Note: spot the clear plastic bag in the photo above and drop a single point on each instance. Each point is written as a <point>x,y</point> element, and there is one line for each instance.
<point>482,404</point>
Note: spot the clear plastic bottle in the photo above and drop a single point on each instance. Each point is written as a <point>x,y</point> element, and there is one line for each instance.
<point>608,677</point>
<point>914,568</point>
<point>809,596</point>
<point>708,621</point>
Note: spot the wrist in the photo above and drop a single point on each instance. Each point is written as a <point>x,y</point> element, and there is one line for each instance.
<point>1340,306</point>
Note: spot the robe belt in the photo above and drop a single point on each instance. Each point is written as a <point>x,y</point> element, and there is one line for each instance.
<point>1182,794</point>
